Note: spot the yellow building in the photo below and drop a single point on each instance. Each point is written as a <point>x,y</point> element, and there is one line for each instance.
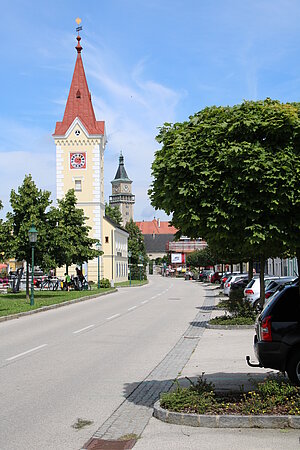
<point>80,142</point>
<point>115,258</point>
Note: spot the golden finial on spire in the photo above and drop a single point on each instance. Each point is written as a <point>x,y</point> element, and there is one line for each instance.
<point>78,46</point>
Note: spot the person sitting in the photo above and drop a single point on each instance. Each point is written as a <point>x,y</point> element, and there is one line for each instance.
<point>79,274</point>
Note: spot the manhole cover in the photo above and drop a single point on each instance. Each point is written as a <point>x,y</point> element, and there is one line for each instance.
<point>102,444</point>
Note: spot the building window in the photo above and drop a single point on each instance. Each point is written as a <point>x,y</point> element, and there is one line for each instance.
<point>78,185</point>
<point>106,239</point>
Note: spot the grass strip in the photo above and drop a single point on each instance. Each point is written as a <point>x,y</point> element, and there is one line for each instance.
<point>133,283</point>
<point>17,303</point>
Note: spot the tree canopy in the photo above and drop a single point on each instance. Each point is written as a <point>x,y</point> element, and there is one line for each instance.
<point>114,213</point>
<point>231,175</point>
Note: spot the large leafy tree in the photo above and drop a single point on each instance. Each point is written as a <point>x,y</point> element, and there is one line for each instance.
<point>228,174</point>
<point>114,213</point>
<point>29,206</point>
<point>136,246</point>
<point>71,241</point>
<point>5,238</point>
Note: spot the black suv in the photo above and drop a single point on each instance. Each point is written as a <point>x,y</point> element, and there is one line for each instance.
<point>277,339</point>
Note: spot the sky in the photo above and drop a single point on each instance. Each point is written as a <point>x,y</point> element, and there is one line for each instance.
<point>146,63</point>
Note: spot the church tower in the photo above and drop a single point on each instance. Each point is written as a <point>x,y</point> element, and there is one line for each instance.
<point>122,192</point>
<point>80,142</point>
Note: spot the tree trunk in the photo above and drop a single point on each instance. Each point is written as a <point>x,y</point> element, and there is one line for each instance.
<point>222,268</point>
<point>27,280</point>
<point>241,267</point>
<point>250,270</point>
<point>231,267</point>
<point>67,269</point>
<point>262,281</point>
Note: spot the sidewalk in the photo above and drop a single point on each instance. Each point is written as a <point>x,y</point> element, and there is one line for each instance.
<point>220,354</point>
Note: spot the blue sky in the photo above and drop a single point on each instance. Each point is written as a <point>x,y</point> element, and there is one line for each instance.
<point>146,63</point>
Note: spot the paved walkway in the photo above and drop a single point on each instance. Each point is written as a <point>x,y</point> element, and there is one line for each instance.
<point>134,413</point>
<point>220,355</point>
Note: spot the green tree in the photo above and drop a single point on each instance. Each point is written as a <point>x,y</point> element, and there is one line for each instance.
<point>29,206</point>
<point>228,175</point>
<point>201,258</point>
<point>114,213</point>
<point>5,238</point>
<point>70,237</point>
<point>136,246</point>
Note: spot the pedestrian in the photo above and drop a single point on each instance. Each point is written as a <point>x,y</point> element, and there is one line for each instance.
<point>67,282</point>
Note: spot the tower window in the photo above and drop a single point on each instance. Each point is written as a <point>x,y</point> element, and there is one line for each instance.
<point>78,185</point>
<point>78,94</point>
<point>106,239</point>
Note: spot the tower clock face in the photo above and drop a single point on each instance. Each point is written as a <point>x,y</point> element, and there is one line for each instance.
<point>116,189</point>
<point>126,188</point>
<point>78,160</point>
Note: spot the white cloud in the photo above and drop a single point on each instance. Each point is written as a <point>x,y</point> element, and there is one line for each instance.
<point>132,105</point>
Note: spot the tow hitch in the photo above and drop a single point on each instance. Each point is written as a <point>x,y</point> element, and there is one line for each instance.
<point>251,364</point>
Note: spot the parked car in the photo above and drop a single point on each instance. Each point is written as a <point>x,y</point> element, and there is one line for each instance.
<point>225,277</point>
<point>216,277</point>
<point>239,284</point>
<point>252,290</point>
<point>204,274</point>
<point>274,285</point>
<point>232,279</point>
<point>277,338</point>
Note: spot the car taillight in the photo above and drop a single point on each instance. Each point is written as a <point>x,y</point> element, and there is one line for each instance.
<point>249,291</point>
<point>266,334</point>
<point>268,294</point>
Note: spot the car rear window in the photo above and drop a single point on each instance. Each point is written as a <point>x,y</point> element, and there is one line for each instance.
<point>251,283</point>
<point>286,306</point>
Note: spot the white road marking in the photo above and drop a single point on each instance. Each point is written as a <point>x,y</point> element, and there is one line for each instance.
<point>130,309</point>
<point>25,353</point>
<point>145,301</point>
<point>83,329</point>
<point>112,317</point>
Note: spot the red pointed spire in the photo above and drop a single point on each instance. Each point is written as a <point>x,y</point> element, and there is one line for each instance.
<point>79,103</point>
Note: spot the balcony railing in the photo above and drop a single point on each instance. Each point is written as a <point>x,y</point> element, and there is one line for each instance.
<point>185,247</point>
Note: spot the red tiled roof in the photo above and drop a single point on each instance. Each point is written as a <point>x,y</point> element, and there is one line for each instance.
<point>79,103</point>
<point>156,227</point>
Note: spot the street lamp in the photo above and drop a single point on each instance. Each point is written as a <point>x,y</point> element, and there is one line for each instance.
<point>98,247</point>
<point>32,233</point>
<point>141,265</point>
<point>129,256</point>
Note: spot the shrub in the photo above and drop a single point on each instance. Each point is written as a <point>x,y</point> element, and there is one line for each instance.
<point>238,306</point>
<point>104,283</point>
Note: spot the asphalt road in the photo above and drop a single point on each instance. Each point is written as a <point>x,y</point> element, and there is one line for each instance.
<point>82,360</point>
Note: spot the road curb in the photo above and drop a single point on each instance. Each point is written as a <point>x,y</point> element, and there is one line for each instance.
<point>55,306</point>
<point>136,285</point>
<point>225,421</point>
<point>230,327</point>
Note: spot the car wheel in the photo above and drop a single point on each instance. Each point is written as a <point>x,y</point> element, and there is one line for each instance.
<point>257,307</point>
<point>293,367</point>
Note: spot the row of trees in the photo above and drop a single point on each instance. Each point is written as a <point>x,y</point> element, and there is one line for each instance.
<point>231,176</point>
<point>63,236</point>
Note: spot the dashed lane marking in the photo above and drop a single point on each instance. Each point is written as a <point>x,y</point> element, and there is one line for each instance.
<point>83,329</point>
<point>25,353</point>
